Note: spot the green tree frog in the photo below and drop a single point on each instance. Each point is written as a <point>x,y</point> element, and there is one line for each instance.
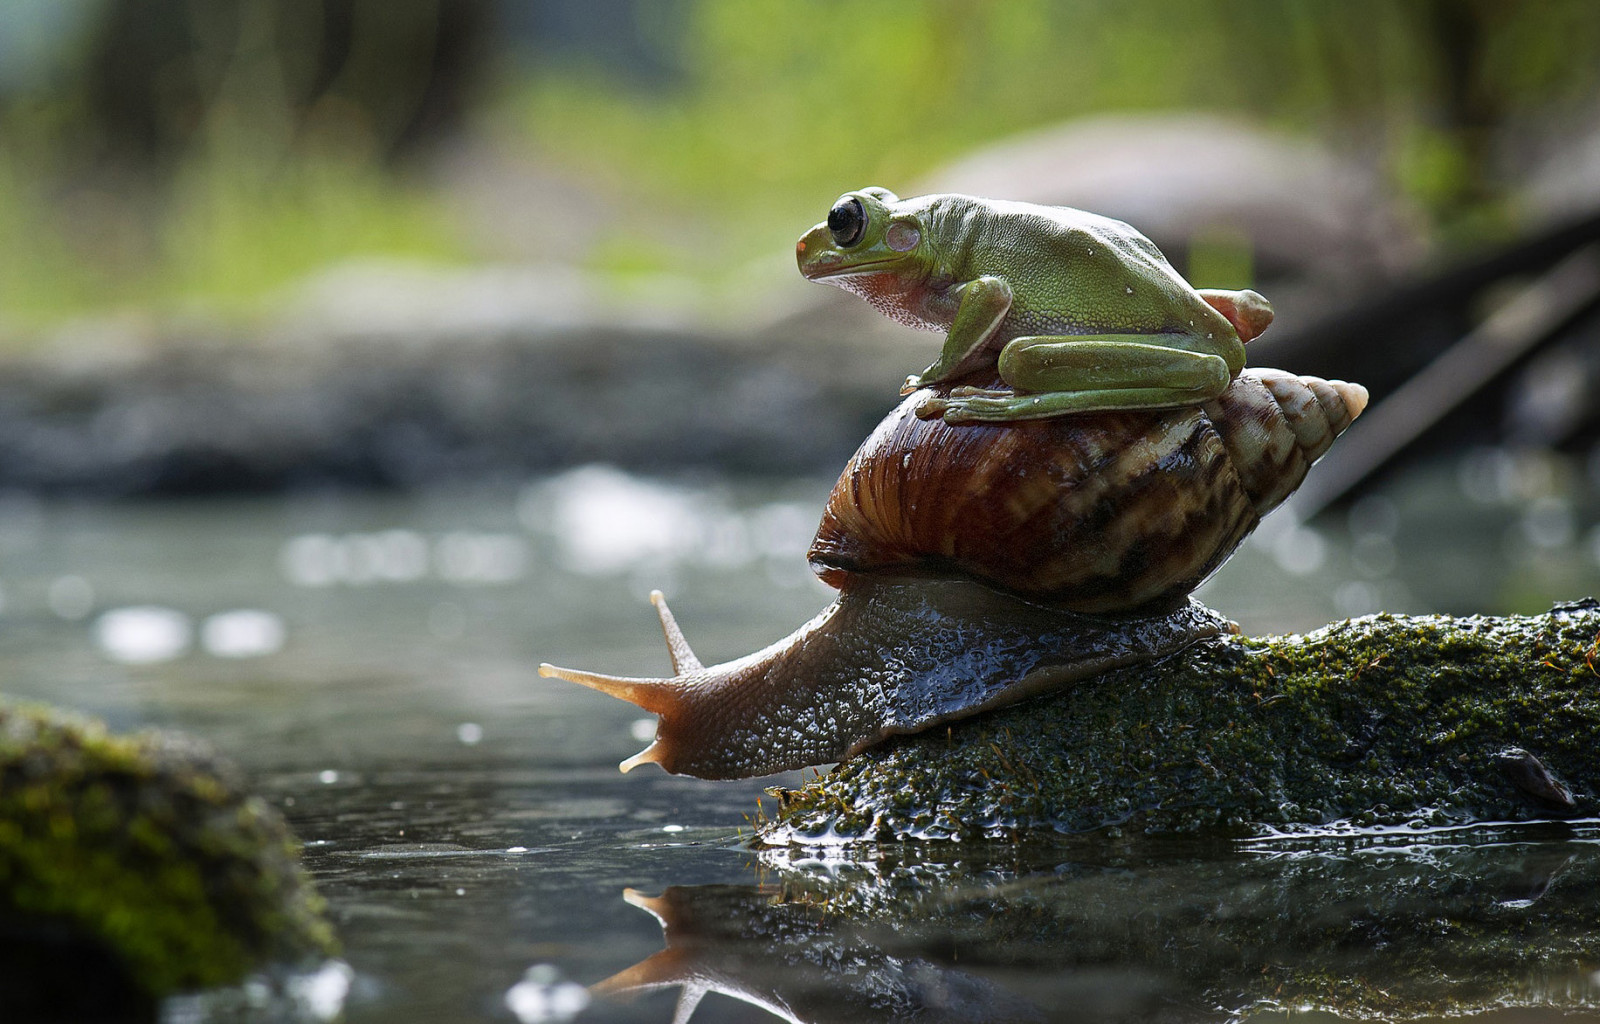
<point>1080,312</point>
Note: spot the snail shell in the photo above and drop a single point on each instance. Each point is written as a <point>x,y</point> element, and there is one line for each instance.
<point>978,565</point>
<point>1106,513</point>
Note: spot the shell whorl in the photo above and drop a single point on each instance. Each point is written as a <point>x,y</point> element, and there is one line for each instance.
<point>1099,513</point>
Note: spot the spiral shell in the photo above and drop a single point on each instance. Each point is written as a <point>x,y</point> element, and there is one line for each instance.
<point>1102,513</point>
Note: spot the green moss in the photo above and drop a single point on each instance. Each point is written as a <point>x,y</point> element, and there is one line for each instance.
<point>1381,720</point>
<point>148,845</point>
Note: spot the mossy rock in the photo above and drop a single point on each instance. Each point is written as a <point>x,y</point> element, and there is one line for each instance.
<point>146,847</point>
<point>1382,720</point>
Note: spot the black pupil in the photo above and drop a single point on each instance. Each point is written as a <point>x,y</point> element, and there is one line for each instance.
<point>846,222</point>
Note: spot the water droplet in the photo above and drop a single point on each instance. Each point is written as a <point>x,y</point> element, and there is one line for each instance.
<point>242,633</point>
<point>143,634</point>
<point>1549,522</point>
<point>543,997</point>
<point>469,733</point>
<point>1356,597</point>
<point>327,776</point>
<point>309,560</point>
<point>1299,550</point>
<point>322,993</point>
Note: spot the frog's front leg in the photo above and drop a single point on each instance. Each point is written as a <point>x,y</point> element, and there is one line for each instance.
<point>981,304</point>
<point>1056,376</point>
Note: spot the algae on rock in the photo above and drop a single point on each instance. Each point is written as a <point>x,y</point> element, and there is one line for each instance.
<point>1385,719</point>
<point>147,846</point>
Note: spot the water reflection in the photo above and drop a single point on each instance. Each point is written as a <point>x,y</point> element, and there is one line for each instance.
<point>749,943</point>
<point>1397,925</point>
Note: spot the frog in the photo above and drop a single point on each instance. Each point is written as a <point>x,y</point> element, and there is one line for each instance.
<point>1076,312</point>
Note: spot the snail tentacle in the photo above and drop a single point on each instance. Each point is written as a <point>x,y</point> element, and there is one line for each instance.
<point>683,657</point>
<point>657,696</point>
<point>666,969</point>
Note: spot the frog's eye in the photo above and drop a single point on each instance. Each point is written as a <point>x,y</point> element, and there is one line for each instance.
<point>847,221</point>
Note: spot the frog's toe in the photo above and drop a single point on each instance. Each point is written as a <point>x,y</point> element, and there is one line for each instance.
<point>967,391</point>
<point>972,410</point>
<point>1004,407</point>
<point>930,408</point>
<point>912,383</point>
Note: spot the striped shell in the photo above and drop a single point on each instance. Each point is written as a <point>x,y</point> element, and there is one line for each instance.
<point>1108,512</point>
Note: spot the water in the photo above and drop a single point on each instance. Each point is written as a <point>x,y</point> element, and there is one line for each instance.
<point>372,662</point>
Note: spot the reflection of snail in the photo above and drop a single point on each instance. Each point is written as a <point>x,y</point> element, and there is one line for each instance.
<point>1004,934</point>
<point>977,565</point>
<point>749,943</point>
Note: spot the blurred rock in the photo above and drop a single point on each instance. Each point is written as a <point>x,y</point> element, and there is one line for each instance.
<point>1315,226</point>
<point>394,377</point>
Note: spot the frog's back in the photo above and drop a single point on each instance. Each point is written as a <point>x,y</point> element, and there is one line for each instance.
<point>1071,271</point>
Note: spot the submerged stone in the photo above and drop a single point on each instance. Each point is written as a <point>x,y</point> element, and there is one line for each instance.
<point>142,852</point>
<point>1382,720</point>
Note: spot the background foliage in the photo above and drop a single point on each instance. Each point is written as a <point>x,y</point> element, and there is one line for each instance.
<point>158,154</point>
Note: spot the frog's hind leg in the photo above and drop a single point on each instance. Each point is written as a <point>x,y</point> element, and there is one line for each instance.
<point>1057,376</point>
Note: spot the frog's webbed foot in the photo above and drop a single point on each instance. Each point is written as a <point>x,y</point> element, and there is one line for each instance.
<point>989,407</point>
<point>982,405</point>
<point>958,401</point>
<point>1010,407</point>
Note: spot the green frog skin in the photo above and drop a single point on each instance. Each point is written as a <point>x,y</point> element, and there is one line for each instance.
<point>1078,312</point>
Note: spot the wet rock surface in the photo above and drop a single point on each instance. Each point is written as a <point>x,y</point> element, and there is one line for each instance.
<point>142,863</point>
<point>1383,720</point>
<point>1395,925</point>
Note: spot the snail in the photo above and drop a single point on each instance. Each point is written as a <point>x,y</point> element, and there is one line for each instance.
<point>981,564</point>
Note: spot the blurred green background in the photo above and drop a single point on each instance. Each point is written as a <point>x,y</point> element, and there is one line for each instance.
<point>180,155</point>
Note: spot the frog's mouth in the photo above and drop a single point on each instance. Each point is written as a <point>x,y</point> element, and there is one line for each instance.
<point>819,258</point>
<point>818,269</point>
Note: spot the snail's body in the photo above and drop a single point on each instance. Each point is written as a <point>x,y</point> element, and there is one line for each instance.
<point>978,565</point>
<point>892,655</point>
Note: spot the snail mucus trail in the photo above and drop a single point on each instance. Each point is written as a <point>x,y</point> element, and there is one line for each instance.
<point>981,564</point>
